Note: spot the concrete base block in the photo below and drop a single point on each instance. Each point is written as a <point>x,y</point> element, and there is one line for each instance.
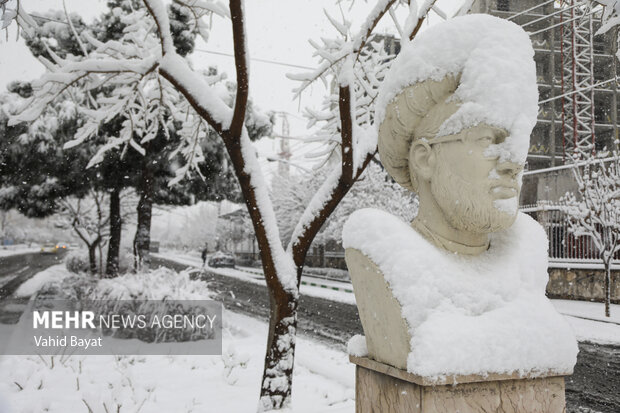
<point>381,388</point>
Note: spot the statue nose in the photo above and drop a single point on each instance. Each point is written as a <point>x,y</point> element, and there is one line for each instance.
<point>509,168</point>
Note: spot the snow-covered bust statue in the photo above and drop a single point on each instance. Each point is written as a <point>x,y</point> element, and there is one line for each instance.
<point>461,289</point>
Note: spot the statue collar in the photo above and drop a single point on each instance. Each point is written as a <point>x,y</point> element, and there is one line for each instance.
<point>447,244</point>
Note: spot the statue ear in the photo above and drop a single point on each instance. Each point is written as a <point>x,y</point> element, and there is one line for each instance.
<point>422,160</point>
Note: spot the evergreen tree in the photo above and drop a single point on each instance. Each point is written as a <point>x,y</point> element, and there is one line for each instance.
<point>148,169</point>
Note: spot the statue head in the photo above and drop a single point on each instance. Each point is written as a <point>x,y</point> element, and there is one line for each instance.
<point>455,130</point>
<point>475,190</point>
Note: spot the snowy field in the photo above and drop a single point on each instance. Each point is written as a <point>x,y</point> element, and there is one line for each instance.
<point>324,379</point>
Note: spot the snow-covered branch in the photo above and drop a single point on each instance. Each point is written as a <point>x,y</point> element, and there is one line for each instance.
<point>359,64</point>
<point>158,11</point>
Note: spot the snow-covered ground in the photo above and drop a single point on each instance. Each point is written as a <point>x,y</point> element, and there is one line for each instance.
<point>589,322</point>
<point>324,379</point>
<point>8,250</point>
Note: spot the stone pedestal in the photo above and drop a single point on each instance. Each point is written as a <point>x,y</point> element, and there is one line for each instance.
<point>381,388</point>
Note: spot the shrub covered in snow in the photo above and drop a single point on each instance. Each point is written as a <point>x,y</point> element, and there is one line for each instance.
<point>126,295</point>
<point>77,262</point>
<point>71,287</point>
<point>158,284</point>
<point>164,288</point>
<point>125,262</point>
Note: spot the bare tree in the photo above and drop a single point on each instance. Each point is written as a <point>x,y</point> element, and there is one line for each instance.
<point>89,220</point>
<point>146,60</point>
<point>594,211</point>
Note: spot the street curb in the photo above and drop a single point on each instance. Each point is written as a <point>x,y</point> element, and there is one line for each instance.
<point>329,287</point>
<point>312,284</point>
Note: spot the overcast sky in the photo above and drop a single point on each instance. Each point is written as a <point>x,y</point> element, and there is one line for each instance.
<point>278,30</point>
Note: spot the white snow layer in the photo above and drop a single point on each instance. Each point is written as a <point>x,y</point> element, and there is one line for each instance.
<point>498,77</point>
<point>357,346</point>
<point>469,314</point>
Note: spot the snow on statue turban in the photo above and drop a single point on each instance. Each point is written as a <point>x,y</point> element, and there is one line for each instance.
<point>465,71</point>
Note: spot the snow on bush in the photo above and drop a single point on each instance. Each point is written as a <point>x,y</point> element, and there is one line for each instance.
<point>125,262</point>
<point>127,294</point>
<point>469,314</point>
<point>158,284</point>
<point>164,288</point>
<point>234,362</point>
<point>77,262</point>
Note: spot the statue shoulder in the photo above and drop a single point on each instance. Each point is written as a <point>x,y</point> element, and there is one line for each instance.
<point>369,227</point>
<point>529,230</point>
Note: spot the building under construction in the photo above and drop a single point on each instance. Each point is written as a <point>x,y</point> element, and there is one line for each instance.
<point>577,83</point>
<point>578,106</point>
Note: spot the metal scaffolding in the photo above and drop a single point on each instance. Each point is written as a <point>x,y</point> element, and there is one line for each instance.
<point>574,20</point>
<point>577,79</point>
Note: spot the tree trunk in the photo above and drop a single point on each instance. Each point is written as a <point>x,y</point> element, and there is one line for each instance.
<point>114,246</point>
<point>278,372</point>
<point>92,257</point>
<point>607,287</point>
<point>142,239</point>
<point>100,248</point>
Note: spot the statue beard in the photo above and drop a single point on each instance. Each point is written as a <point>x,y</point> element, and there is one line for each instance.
<point>468,207</point>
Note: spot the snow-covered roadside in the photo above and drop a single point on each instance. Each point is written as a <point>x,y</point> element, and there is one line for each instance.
<point>588,321</point>
<point>324,378</point>
<point>330,290</point>
<point>7,251</point>
<point>55,273</point>
<point>587,310</point>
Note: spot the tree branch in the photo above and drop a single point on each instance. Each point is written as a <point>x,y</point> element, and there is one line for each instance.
<point>346,128</point>
<point>301,243</point>
<point>367,31</point>
<point>158,11</point>
<point>241,66</point>
<point>421,19</point>
<point>174,69</point>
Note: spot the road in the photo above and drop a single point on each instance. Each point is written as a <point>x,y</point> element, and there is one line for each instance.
<point>16,269</point>
<point>595,384</point>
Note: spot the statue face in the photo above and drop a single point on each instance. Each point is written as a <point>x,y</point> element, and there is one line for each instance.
<point>475,191</point>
